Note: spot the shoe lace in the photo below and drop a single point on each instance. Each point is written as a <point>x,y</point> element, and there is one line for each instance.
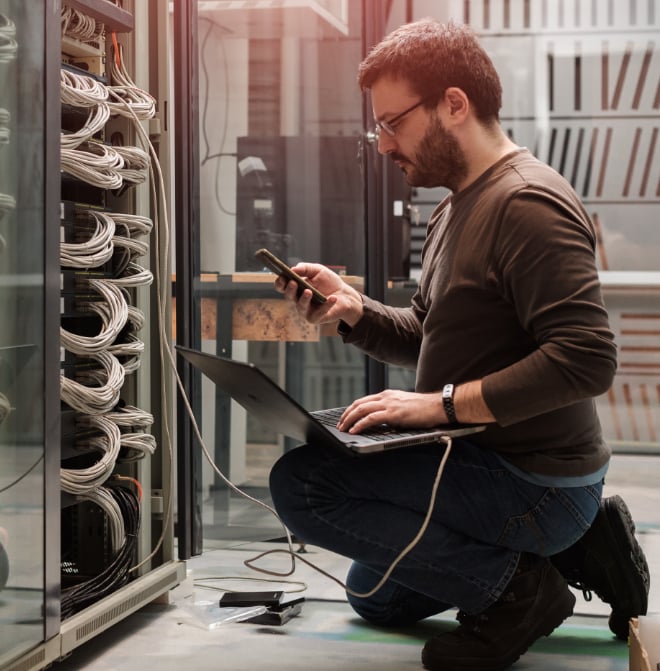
<point>575,582</point>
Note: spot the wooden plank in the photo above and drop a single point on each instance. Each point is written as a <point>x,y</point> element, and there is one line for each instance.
<point>270,319</point>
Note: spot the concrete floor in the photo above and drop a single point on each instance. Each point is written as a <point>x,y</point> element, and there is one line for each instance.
<point>327,635</point>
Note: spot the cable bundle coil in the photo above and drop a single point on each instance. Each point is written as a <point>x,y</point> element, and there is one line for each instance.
<point>94,163</point>
<point>108,443</point>
<point>8,45</point>
<point>113,311</point>
<point>80,26</point>
<point>95,390</point>
<point>96,250</point>
<point>5,118</point>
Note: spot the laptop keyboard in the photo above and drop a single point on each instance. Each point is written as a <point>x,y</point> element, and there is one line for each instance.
<point>331,416</point>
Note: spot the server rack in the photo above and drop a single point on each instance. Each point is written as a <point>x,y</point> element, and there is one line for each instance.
<point>84,300</point>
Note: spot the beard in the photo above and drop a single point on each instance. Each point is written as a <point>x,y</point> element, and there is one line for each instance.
<point>438,161</point>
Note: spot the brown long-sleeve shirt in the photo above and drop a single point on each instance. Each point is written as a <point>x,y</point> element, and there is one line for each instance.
<point>509,293</point>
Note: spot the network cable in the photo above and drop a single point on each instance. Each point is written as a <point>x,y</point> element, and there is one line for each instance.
<point>8,45</point>
<point>5,118</point>
<point>108,443</point>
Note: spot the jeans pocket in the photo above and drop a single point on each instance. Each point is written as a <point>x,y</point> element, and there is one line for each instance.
<point>556,521</point>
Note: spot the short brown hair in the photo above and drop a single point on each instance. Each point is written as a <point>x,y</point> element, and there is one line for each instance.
<point>432,56</point>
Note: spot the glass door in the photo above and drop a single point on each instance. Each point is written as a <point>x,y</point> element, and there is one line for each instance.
<point>280,153</point>
<point>29,353</point>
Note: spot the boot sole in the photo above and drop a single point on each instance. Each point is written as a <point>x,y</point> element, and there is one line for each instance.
<point>634,568</point>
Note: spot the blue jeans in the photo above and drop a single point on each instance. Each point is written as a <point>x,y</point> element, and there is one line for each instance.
<point>370,508</point>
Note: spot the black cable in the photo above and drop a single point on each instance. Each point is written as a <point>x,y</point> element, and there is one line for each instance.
<point>117,573</point>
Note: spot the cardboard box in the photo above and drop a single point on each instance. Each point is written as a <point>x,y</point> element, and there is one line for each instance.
<point>638,659</point>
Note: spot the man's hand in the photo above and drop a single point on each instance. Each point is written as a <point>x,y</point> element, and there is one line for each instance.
<point>344,302</point>
<point>415,410</point>
<point>397,408</point>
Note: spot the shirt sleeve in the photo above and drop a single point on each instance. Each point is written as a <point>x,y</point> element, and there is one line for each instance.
<point>389,334</point>
<point>544,263</point>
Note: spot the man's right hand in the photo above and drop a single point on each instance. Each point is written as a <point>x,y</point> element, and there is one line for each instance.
<point>344,302</point>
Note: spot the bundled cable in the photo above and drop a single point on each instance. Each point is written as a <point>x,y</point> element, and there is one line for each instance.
<point>136,164</point>
<point>8,45</point>
<point>108,443</point>
<point>129,350</point>
<point>113,311</point>
<point>122,508</point>
<point>135,443</point>
<point>81,90</point>
<point>96,250</point>
<point>95,390</point>
<point>97,118</point>
<point>133,276</point>
<point>130,99</point>
<point>94,163</point>
<point>5,118</point>
<point>80,26</point>
<point>7,204</point>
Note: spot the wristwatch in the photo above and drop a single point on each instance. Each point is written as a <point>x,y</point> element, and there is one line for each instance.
<point>448,403</point>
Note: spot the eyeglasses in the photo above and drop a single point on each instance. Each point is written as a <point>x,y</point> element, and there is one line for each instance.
<point>389,126</point>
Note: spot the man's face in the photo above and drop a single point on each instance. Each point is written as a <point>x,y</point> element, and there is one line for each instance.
<point>428,154</point>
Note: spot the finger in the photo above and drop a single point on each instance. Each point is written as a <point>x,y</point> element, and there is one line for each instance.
<point>356,413</point>
<point>368,421</point>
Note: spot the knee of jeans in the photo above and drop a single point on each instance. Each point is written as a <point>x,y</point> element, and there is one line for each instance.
<point>287,483</point>
<point>376,608</point>
<point>371,610</point>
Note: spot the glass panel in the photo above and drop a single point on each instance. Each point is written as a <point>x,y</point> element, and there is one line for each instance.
<point>21,327</point>
<point>280,129</point>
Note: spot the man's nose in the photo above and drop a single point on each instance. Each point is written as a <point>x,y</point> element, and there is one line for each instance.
<point>386,143</point>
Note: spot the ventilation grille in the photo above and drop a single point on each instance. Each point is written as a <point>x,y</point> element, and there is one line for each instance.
<point>123,609</point>
<point>34,661</point>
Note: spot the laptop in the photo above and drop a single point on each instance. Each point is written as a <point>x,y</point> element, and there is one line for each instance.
<point>264,399</point>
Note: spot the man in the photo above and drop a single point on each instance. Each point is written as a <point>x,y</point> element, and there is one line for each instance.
<point>507,329</point>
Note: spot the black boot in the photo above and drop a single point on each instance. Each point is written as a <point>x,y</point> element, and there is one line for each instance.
<point>536,601</point>
<point>609,561</point>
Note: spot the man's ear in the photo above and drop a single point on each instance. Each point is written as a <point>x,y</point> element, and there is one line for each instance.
<point>457,103</point>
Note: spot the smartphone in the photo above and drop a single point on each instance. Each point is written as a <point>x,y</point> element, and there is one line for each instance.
<point>280,268</point>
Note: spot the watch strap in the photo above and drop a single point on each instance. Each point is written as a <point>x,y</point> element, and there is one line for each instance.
<point>448,403</point>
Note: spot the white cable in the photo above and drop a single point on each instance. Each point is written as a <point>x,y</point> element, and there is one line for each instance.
<point>8,45</point>
<point>94,163</point>
<point>96,250</point>
<point>81,90</point>
<point>136,224</point>
<point>79,26</point>
<point>104,499</point>
<point>5,407</point>
<point>103,394</point>
<point>7,203</point>
<point>5,118</point>
<point>134,276</point>
<point>97,118</point>
<point>113,311</point>
<point>82,480</point>
<point>131,100</point>
<point>136,164</point>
